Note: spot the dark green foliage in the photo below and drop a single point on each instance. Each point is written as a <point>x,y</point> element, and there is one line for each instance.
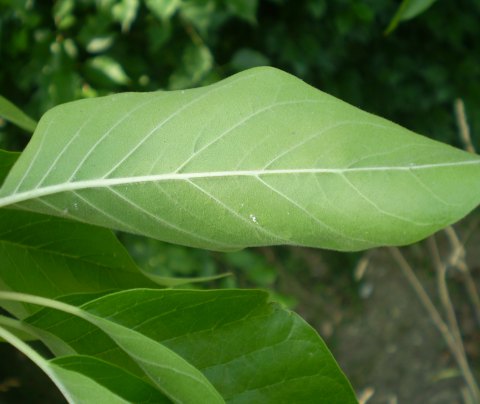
<point>80,49</point>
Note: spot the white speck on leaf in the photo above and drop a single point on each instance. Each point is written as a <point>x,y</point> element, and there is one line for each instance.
<point>253,218</point>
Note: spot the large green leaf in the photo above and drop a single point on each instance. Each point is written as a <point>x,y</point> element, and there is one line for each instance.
<point>258,159</point>
<point>251,350</point>
<point>50,257</point>
<point>166,371</point>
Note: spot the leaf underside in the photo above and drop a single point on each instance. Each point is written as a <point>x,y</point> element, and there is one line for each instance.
<point>258,159</point>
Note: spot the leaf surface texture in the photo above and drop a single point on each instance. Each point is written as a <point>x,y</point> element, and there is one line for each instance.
<point>260,158</point>
<point>249,349</point>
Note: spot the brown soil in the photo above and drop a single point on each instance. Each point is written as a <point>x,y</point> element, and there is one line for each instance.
<point>385,341</point>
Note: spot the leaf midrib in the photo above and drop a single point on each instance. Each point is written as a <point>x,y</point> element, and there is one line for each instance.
<point>175,176</point>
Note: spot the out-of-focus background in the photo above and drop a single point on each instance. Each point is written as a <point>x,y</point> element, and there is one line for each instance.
<point>370,317</point>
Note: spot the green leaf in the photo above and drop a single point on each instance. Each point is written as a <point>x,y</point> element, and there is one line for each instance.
<point>10,112</point>
<point>98,44</point>
<point>407,10</point>
<point>246,9</point>
<point>64,14</point>
<point>250,349</point>
<point>258,159</point>
<point>83,379</point>
<point>165,369</point>
<point>51,257</point>
<point>246,58</point>
<point>105,68</point>
<point>197,61</point>
<point>125,12</point>
<point>17,328</point>
<point>7,160</point>
<point>201,14</point>
<point>127,386</point>
<point>163,9</point>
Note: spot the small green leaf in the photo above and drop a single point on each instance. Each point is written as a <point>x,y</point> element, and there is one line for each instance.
<point>10,112</point>
<point>197,61</point>
<point>107,68</point>
<point>199,14</point>
<point>163,9</point>
<point>100,44</point>
<point>63,14</point>
<point>246,58</point>
<point>125,12</point>
<point>407,10</point>
<point>246,9</point>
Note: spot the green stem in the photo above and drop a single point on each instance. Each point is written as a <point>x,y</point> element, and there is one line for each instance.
<point>42,301</point>
<point>19,326</point>
<point>35,357</point>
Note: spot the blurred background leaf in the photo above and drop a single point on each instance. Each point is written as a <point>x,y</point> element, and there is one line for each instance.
<point>407,10</point>
<point>163,9</point>
<point>15,115</point>
<point>70,50</point>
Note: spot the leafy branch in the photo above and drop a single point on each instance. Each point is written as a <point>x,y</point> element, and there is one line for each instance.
<point>258,159</point>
